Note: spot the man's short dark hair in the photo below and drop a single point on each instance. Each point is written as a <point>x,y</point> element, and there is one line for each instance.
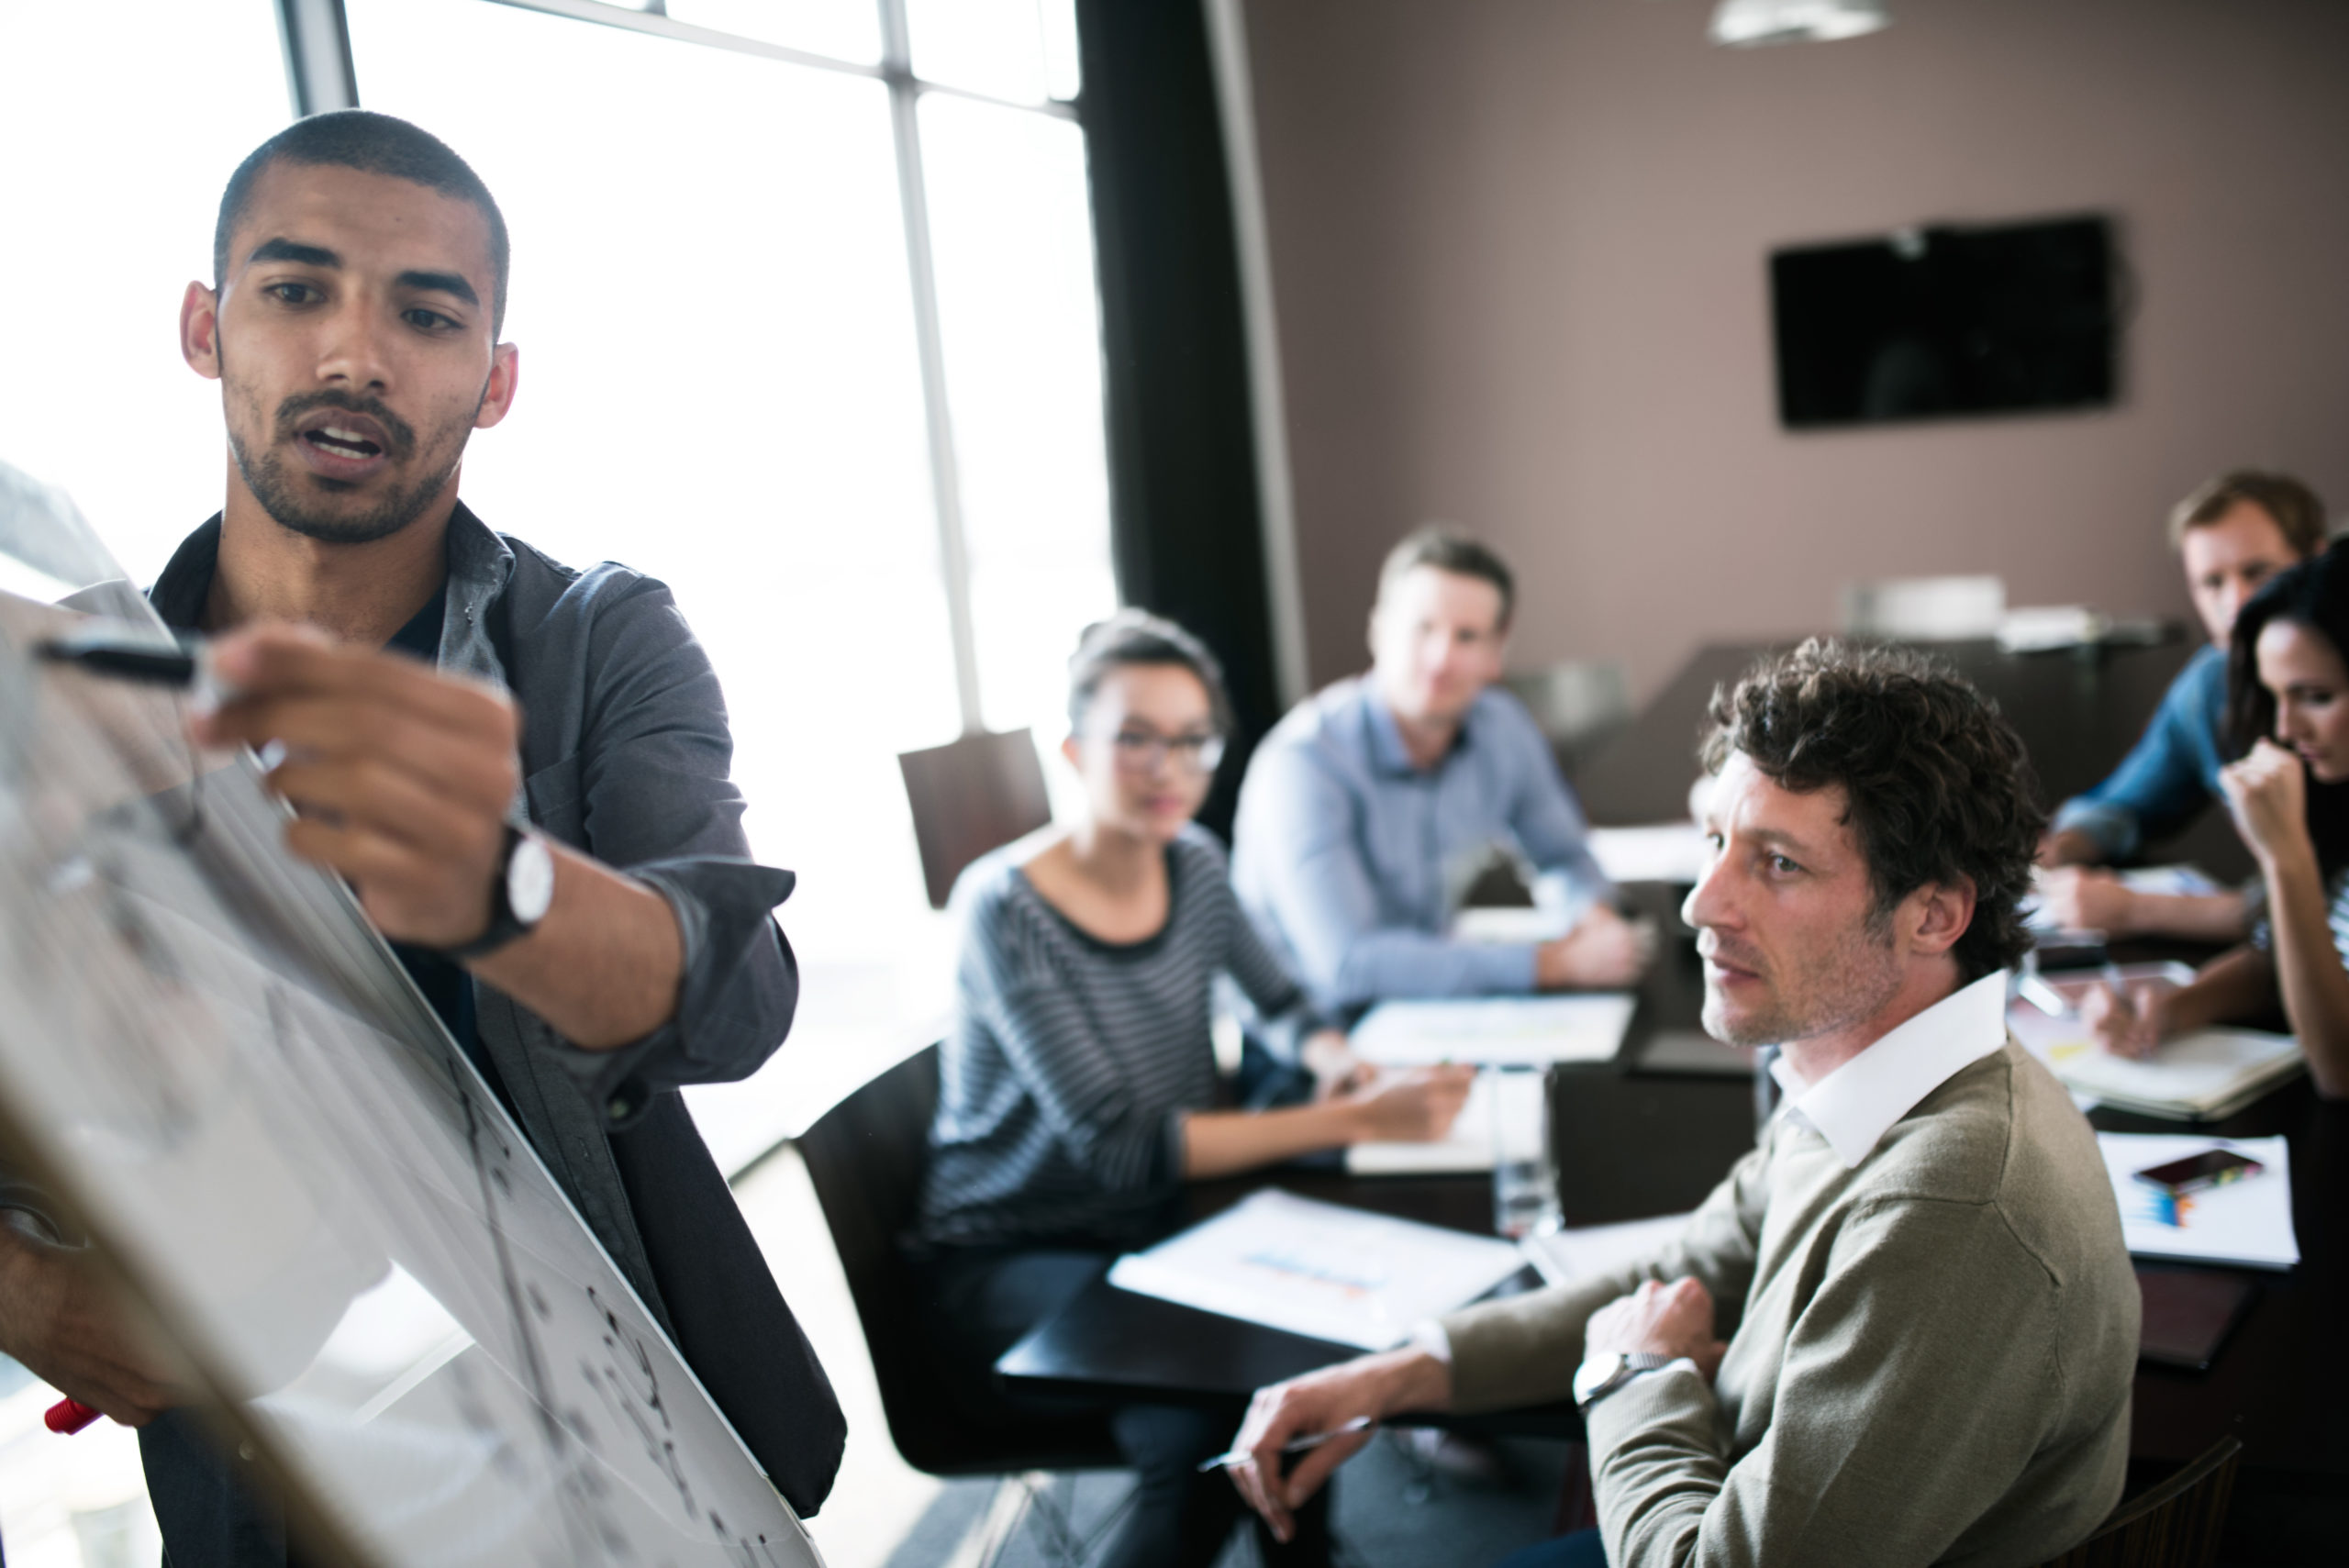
<point>1134,637</point>
<point>372,144</point>
<point>1937,786</point>
<point>2294,509</point>
<point>1454,552</point>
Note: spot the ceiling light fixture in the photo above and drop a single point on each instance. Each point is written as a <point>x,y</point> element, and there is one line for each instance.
<point>1744,24</point>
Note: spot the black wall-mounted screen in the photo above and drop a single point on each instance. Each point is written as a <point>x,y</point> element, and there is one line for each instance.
<point>1933,322</point>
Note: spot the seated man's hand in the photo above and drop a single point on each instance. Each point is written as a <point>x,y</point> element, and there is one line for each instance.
<point>2069,847</point>
<point>401,776</point>
<point>1416,1106</point>
<point>1605,950</point>
<point>62,1319</point>
<point>1673,1319</point>
<point>2127,1023</point>
<point>2081,898</point>
<point>1371,1386</point>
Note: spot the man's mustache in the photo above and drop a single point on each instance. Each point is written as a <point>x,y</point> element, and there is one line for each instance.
<point>290,413</point>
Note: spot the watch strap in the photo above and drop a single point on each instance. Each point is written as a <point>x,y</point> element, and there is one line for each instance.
<point>504,926</point>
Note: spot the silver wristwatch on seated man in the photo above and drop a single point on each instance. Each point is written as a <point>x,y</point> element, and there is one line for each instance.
<point>1603,1373</point>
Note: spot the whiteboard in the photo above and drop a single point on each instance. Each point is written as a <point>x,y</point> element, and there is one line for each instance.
<point>219,1065</point>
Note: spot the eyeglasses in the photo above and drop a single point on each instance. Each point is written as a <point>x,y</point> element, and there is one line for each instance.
<point>1139,751</point>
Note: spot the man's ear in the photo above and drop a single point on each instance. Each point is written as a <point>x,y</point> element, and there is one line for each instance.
<point>1069,749</point>
<point>497,393</point>
<point>200,331</point>
<point>1937,915</point>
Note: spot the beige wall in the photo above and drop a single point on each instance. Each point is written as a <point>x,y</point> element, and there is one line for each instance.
<point>1518,256</point>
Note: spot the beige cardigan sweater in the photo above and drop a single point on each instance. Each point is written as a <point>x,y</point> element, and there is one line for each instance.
<point>1930,1355</point>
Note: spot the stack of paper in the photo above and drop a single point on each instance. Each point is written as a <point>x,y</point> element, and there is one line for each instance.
<point>1563,1256</point>
<point>2247,1222</point>
<point>1318,1269</point>
<point>1495,1031</point>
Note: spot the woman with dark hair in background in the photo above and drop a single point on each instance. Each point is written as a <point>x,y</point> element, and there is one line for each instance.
<point>2288,697</point>
<point>1077,1084</point>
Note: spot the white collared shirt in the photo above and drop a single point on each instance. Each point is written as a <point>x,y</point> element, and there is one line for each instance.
<point>1854,1107</point>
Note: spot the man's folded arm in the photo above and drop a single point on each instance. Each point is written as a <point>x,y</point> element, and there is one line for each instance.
<point>1523,1350</point>
<point>1917,1385</point>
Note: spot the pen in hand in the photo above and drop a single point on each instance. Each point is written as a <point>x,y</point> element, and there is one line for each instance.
<point>1295,1445</point>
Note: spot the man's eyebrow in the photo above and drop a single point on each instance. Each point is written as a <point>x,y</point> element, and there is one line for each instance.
<point>452,283</point>
<point>284,250</point>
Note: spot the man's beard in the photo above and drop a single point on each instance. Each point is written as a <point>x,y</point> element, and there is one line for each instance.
<point>278,487</point>
<point>1851,983</point>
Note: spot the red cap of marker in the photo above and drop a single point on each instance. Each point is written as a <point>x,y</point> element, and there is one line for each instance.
<point>68,1416</point>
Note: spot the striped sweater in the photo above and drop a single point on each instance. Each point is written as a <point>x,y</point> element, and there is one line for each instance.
<point>1072,1061</point>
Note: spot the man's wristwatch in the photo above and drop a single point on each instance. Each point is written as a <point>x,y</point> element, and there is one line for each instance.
<point>1603,1375</point>
<point>519,895</point>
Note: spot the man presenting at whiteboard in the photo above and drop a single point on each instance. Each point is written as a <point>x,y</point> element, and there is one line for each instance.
<point>520,769</point>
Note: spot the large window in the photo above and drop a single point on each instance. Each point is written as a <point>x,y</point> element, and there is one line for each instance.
<point>803,294</point>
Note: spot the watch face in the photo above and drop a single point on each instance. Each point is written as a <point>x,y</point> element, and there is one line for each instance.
<point>529,879</point>
<point>1596,1374</point>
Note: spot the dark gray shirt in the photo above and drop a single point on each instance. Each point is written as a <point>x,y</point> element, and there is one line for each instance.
<point>625,755</point>
<point>1072,1061</point>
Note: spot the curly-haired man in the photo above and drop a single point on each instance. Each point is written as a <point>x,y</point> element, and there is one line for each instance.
<point>1930,1320</point>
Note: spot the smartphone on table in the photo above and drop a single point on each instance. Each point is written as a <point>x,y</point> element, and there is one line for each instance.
<point>2195,1173</point>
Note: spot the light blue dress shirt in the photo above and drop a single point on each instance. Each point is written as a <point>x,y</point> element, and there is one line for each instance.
<point>1351,859</point>
<point>2170,774</point>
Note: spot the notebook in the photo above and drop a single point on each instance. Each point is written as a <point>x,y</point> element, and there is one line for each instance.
<point>2208,1074</point>
<point>2189,1314</point>
<point>1495,1031</point>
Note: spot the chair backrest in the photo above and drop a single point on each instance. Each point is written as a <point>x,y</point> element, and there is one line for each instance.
<point>865,1157</point>
<point>969,797</point>
<point>1925,609</point>
<point>2173,1524</point>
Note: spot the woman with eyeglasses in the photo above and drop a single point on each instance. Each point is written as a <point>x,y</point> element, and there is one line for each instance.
<point>1077,1086</point>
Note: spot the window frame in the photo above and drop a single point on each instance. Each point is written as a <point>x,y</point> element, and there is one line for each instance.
<point>322,75</point>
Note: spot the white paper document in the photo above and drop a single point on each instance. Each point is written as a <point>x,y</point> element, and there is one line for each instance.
<point>1522,925</point>
<point>1318,1269</point>
<point>1665,851</point>
<point>1468,1147</point>
<point>2247,1222</point>
<point>1495,1031</point>
<point>1563,1256</point>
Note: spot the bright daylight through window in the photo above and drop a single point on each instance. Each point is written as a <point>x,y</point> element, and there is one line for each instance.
<point>721,376</point>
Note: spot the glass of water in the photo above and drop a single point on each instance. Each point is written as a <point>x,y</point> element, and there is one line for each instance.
<point>1525,1175</point>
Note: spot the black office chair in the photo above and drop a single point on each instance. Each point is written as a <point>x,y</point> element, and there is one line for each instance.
<point>865,1157</point>
<point>2174,1524</point>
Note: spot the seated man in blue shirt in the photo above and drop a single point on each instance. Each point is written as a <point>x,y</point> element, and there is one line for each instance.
<point>1369,810</point>
<point>2233,534</point>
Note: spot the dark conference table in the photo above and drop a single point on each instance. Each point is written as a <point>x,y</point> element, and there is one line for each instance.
<point>1636,1140</point>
